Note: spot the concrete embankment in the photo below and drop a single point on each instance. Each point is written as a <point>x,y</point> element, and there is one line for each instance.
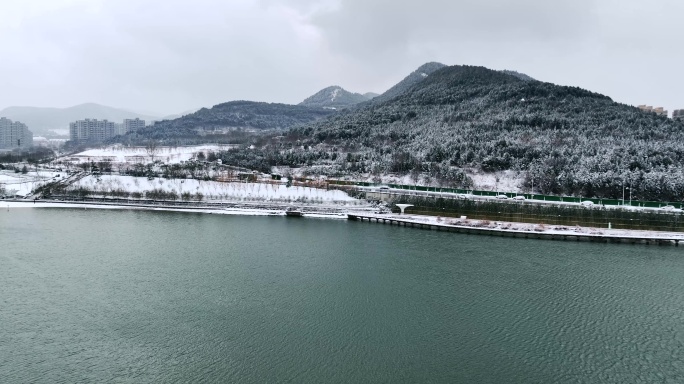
<point>239,208</point>
<point>528,231</point>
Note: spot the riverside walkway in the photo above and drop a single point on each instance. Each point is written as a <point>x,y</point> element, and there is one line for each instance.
<point>619,236</point>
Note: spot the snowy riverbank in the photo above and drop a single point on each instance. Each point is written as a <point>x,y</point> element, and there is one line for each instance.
<point>339,212</point>
<point>526,230</point>
<point>320,211</point>
<point>109,185</point>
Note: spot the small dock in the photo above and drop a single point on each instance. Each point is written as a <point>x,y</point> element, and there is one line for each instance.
<point>570,236</point>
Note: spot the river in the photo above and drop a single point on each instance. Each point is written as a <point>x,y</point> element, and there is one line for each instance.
<point>144,296</point>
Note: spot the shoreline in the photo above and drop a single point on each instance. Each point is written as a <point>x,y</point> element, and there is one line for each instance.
<point>468,226</point>
<point>525,230</point>
<point>262,210</point>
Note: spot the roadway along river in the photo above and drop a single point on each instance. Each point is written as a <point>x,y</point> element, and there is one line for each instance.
<point>140,296</point>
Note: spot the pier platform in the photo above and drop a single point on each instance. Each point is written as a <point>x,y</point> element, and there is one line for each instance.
<point>527,234</point>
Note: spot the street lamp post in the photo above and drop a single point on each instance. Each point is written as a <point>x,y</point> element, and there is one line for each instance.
<point>532,186</point>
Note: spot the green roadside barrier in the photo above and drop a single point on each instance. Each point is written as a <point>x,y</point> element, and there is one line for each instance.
<point>528,196</point>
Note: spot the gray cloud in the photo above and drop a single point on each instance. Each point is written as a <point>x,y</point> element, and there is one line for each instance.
<point>173,55</point>
<point>625,49</point>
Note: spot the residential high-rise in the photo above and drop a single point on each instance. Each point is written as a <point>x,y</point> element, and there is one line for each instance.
<point>133,125</point>
<point>92,130</point>
<point>14,134</point>
<point>660,111</point>
<point>678,114</point>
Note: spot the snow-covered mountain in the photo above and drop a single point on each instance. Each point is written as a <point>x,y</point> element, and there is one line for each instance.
<point>561,139</point>
<point>334,97</point>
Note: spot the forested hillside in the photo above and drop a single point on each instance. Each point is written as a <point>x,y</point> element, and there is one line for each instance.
<point>409,81</point>
<point>519,75</point>
<point>565,140</point>
<point>232,115</point>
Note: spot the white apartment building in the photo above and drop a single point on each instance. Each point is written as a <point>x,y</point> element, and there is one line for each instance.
<point>133,125</point>
<point>678,114</point>
<point>92,130</point>
<point>14,134</point>
<point>660,111</point>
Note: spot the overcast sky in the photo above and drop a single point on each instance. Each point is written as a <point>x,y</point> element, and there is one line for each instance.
<point>168,56</point>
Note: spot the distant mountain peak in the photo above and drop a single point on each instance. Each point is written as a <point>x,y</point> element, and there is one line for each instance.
<point>333,97</point>
<point>88,104</point>
<point>421,73</point>
<point>519,75</point>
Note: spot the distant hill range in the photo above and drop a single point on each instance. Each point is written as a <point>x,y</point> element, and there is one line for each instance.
<point>335,97</point>
<point>250,115</point>
<point>246,115</point>
<point>42,120</point>
<point>177,115</point>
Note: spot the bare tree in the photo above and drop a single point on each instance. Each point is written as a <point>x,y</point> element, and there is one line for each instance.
<point>152,149</point>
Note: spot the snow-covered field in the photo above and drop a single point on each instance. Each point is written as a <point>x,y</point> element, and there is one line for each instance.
<point>123,154</point>
<point>504,181</point>
<point>23,184</point>
<point>213,190</point>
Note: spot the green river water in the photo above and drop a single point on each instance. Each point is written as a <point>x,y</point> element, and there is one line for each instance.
<point>164,297</point>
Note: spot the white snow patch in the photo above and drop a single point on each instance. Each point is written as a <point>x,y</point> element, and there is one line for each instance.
<point>334,94</point>
<point>508,181</point>
<point>22,184</point>
<point>123,154</point>
<point>505,181</point>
